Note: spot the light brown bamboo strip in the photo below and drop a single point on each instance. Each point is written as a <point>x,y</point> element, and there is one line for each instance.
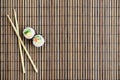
<point>70,19</point>
<point>117,39</point>
<point>110,40</point>
<point>93,57</point>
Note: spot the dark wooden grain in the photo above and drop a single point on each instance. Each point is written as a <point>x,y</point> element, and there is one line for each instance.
<point>81,39</point>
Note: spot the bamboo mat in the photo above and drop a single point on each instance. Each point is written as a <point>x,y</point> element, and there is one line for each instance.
<point>82,39</point>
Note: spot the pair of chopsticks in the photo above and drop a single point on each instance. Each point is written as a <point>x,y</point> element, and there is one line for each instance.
<point>20,42</point>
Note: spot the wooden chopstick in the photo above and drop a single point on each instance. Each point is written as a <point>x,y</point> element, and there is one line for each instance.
<point>27,53</point>
<point>21,56</point>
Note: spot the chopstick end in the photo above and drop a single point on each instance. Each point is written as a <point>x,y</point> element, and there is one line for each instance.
<point>36,71</point>
<point>24,72</point>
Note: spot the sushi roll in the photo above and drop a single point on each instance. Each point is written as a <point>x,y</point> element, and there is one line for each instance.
<point>38,41</point>
<point>28,32</point>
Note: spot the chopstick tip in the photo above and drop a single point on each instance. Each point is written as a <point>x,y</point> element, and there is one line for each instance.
<point>14,10</point>
<point>7,15</point>
<point>36,71</point>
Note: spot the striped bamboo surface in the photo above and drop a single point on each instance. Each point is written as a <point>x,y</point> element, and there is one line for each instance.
<point>82,39</point>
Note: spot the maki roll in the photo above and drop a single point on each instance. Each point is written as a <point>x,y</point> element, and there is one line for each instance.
<point>28,32</point>
<point>38,40</point>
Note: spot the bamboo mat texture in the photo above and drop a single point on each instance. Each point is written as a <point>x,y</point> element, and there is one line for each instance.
<point>82,39</point>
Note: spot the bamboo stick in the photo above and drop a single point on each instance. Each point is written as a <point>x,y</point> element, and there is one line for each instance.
<point>21,56</point>
<point>27,53</point>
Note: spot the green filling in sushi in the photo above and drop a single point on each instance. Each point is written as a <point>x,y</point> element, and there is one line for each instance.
<point>27,31</point>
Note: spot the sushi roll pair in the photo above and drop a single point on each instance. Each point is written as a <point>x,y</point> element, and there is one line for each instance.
<point>29,33</point>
